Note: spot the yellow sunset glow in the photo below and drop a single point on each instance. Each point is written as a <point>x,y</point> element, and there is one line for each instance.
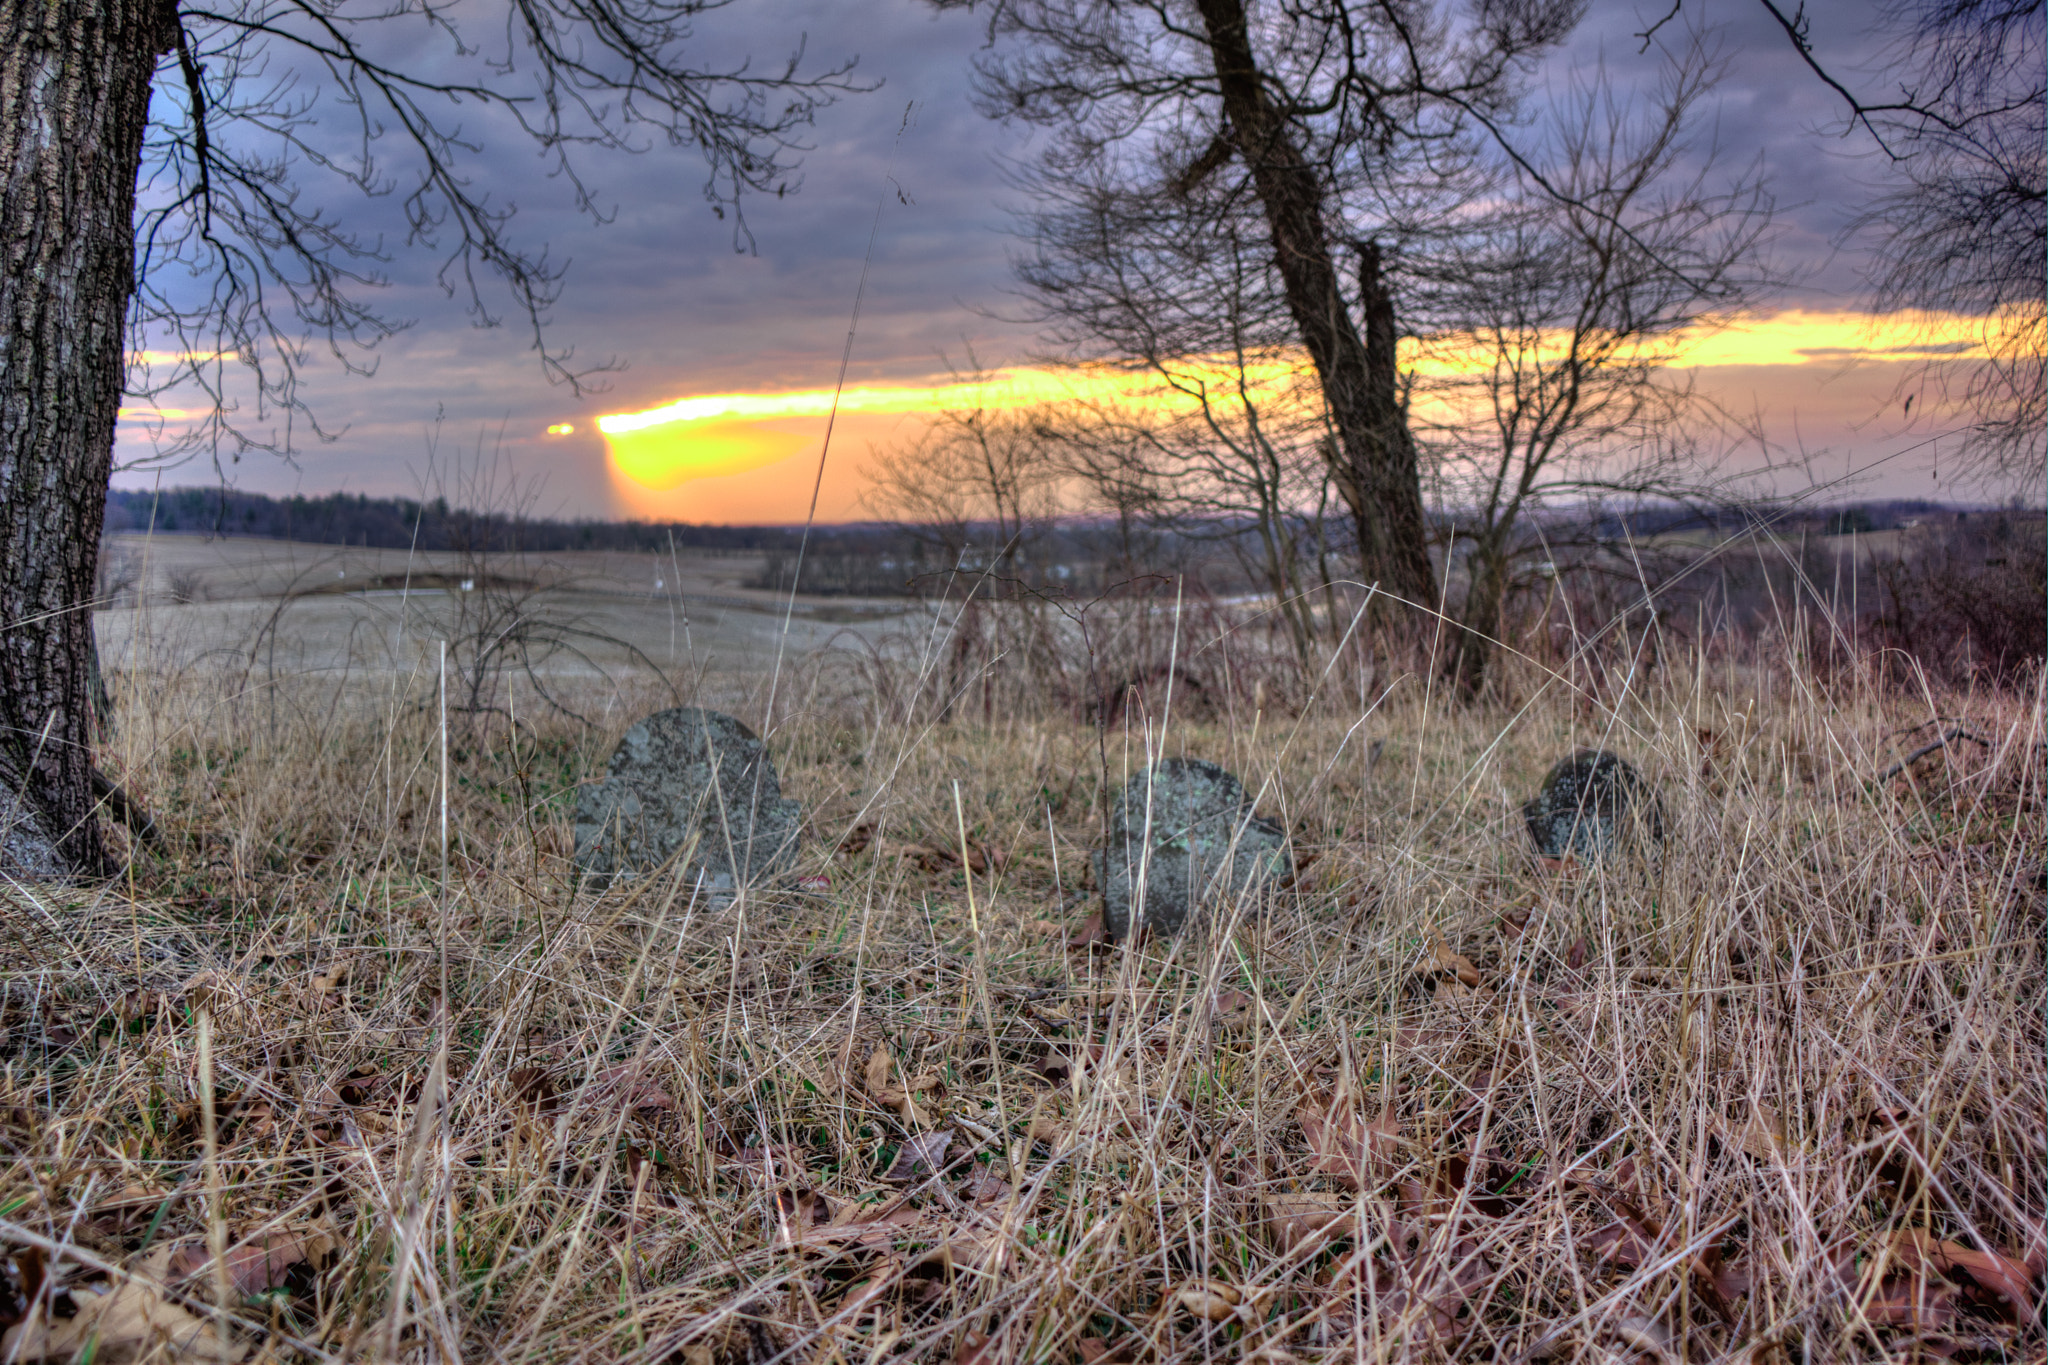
<point>721,435</point>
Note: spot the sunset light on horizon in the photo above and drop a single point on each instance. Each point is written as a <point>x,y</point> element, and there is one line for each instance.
<point>722,456</point>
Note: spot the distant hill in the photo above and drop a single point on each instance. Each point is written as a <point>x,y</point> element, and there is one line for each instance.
<point>399,523</point>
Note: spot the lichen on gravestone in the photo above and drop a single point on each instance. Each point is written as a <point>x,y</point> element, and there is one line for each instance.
<point>1594,805</point>
<point>1206,846</point>
<point>689,785</point>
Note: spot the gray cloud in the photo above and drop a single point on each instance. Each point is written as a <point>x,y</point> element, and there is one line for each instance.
<point>661,288</point>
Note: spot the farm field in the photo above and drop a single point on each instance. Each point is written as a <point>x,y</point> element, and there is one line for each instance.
<point>299,1087</point>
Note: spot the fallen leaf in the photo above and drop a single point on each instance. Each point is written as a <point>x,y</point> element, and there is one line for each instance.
<point>1362,1154</point>
<point>1454,964</point>
<point>1437,1291</point>
<point>117,1321</point>
<point>1093,933</point>
<point>987,1186</point>
<point>925,857</point>
<point>532,1085</point>
<point>1645,1335</point>
<point>1044,928</point>
<point>1231,1010</point>
<point>920,1156</point>
<point>985,858</point>
<point>1911,1301</point>
<point>1734,1280</point>
<point>630,1087</point>
<point>880,1064</point>
<point>857,839</point>
<point>798,1209</point>
<point>1096,1351</point>
<point>1763,1137</point>
<point>1576,956</point>
<point>1300,1223</point>
<point>258,1264</point>
<point>976,1349</point>
<point>1210,1300</point>
<point>1988,1278</point>
<point>1048,1128</point>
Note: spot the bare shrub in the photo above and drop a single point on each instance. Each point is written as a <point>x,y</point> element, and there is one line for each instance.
<point>1963,603</point>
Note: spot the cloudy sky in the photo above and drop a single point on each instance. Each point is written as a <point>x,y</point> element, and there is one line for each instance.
<point>661,290</point>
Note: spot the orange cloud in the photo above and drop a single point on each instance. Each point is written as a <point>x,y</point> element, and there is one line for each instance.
<point>752,456</point>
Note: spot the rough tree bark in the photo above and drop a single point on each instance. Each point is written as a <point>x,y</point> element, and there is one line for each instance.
<point>74,105</point>
<point>1472,658</point>
<point>1376,471</point>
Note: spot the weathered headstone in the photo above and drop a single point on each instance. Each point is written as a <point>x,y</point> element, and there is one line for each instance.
<point>1592,806</point>
<point>691,782</point>
<point>1205,845</point>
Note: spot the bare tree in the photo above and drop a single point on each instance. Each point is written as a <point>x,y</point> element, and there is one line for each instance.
<point>1963,227</point>
<point>1556,321</point>
<point>980,485</point>
<point>152,200</point>
<point>1301,107</point>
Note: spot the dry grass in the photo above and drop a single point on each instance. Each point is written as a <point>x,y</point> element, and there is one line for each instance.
<point>1777,1098</point>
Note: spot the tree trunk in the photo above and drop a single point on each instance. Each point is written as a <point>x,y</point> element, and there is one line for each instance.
<point>1376,471</point>
<point>1480,621</point>
<point>74,104</point>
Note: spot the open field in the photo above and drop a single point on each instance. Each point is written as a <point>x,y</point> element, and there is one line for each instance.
<point>295,1088</point>
<point>292,609</point>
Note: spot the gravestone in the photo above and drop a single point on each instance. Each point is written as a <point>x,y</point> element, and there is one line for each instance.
<point>1593,805</point>
<point>693,783</point>
<point>1206,844</point>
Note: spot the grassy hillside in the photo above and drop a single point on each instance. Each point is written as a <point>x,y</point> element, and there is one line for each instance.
<point>290,1089</point>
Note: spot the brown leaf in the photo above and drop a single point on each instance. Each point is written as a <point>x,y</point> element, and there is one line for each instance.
<point>1646,1335</point>
<point>976,1349</point>
<point>259,1264</point>
<point>630,1089</point>
<point>1576,956</point>
<point>1231,1010</point>
<point>799,1208</point>
<point>1454,964</point>
<point>1300,1223</point>
<point>984,858</point>
<point>1629,1241</point>
<point>1911,1301</point>
<point>1988,1278</point>
<point>532,1085</point>
<point>857,839</point>
<point>121,1320</point>
<point>987,1186</point>
<point>1362,1154</point>
<point>1093,933</point>
<point>1763,1137</point>
<point>920,1156</point>
<point>1048,1128</point>
<point>925,857</point>
<point>1096,1351</point>
<point>880,1065</point>
<point>1210,1300</point>
<point>1436,1292</point>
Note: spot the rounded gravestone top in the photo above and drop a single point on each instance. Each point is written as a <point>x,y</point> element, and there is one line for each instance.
<point>1205,842</point>
<point>1593,805</point>
<point>689,784</point>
